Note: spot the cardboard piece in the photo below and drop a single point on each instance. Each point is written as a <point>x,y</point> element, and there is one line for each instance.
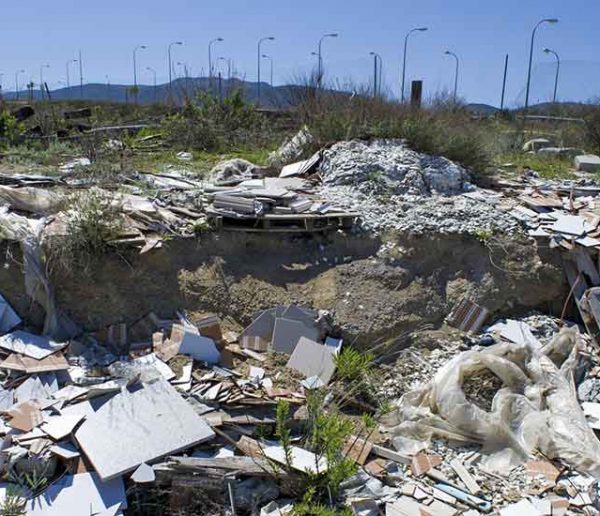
<point>139,426</point>
<point>312,359</point>
<point>23,363</point>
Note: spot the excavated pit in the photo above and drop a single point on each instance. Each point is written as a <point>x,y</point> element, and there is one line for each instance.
<point>373,296</point>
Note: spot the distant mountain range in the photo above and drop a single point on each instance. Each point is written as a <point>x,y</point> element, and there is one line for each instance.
<point>180,89</point>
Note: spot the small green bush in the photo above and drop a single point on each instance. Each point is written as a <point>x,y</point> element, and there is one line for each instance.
<point>10,129</point>
<point>214,125</point>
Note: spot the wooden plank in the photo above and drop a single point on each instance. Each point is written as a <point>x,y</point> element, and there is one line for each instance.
<point>466,477</point>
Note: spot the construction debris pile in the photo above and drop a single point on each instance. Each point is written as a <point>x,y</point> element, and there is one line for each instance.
<point>85,416</point>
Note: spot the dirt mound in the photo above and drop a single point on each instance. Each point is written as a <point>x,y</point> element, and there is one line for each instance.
<point>413,280</point>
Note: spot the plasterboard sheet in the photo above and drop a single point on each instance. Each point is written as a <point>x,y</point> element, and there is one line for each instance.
<point>195,345</point>
<point>301,459</point>
<point>288,332</point>
<point>570,224</point>
<point>140,426</point>
<point>8,317</point>
<point>60,426</point>
<point>76,495</point>
<point>34,346</point>
<point>17,362</point>
<point>312,359</point>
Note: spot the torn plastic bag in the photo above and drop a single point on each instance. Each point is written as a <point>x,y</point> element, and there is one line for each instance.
<point>37,285</point>
<point>535,409</point>
<point>33,200</point>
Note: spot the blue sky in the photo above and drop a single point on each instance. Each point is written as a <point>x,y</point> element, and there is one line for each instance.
<point>481,32</point>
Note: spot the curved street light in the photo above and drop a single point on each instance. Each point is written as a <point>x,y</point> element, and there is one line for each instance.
<point>449,53</point>
<point>270,59</point>
<point>417,29</point>
<point>377,66</point>
<point>320,54</point>
<point>135,88</point>
<point>550,51</point>
<point>150,69</point>
<point>171,66</point>
<point>210,44</point>
<point>545,20</point>
<point>258,56</point>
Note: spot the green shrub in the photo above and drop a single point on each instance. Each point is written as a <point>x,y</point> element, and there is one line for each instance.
<point>214,125</point>
<point>10,129</point>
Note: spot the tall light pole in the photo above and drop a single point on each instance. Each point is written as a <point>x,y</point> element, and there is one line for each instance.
<point>210,65</point>
<point>17,82</point>
<point>154,82</point>
<point>135,88</point>
<point>80,76</point>
<point>448,53</point>
<point>107,88</point>
<point>258,57</point>
<point>377,65</point>
<point>68,77</point>
<point>550,51</point>
<point>545,20</point>
<point>270,59</point>
<point>418,29</point>
<point>228,62</point>
<point>171,68</point>
<point>320,54</point>
<point>42,79</point>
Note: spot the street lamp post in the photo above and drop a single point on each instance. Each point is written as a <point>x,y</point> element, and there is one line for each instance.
<point>418,29</point>
<point>107,88</point>
<point>17,82</point>
<point>550,51</point>
<point>42,79</point>
<point>270,59</point>
<point>377,65</point>
<point>448,53</point>
<point>210,65</point>
<point>135,88</point>
<point>171,68</point>
<point>320,54</point>
<point>68,77</point>
<point>258,57</point>
<point>154,80</point>
<point>545,20</point>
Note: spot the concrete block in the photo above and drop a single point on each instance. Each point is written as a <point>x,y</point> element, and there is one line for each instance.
<point>587,163</point>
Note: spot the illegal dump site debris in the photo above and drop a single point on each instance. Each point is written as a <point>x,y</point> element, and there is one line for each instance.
<point>195,413</point>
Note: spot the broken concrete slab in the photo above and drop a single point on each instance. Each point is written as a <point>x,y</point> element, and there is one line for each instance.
<point>140,426</point>
<point>587,163</point>
<point>287,333</point>
<point>144,474</point>
<point>75,495</point>
<point>312,359</point>
<point>570,225</point>
<point>34,346</point>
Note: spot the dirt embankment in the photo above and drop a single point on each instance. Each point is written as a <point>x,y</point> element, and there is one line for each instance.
<point>372,297</point>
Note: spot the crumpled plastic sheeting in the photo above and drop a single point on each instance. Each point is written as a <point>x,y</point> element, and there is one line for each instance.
<point>33,200</point>
<point>37,285</point>
<point>536,408</point>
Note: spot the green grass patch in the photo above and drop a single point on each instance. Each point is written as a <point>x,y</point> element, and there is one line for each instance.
<point>546,167</point>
